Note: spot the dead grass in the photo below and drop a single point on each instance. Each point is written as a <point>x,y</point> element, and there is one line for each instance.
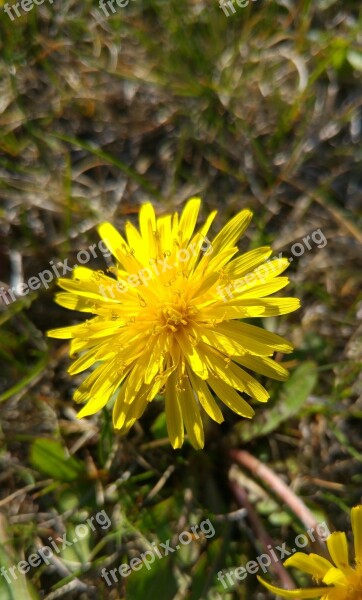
<point>161,102</point>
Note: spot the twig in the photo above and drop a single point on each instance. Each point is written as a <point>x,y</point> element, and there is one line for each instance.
<point>261,534</point>
<point>280,488</point>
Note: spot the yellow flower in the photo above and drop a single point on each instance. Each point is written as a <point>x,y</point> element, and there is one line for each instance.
<point>343,581</point>
<point>168,321</point>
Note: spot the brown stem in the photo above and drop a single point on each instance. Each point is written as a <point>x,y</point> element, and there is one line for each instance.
<point>280,488</point>
<point>261,534</point>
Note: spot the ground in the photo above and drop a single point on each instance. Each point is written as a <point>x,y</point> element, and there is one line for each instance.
<point>159,102</point>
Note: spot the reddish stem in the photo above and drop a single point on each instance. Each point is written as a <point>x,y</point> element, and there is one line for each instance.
<point>280,488</point>
<point>261,534</point>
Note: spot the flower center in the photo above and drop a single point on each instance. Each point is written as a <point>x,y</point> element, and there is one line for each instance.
<point>173,317</point>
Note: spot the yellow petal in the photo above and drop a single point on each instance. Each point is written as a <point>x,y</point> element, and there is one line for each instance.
<point>216,261</point>
<point>206,398</point>
<point>251,385</point>
<point>89,275</point>
<point>255,339</point>
<point>193,355</point>
<point>338,549</point>
<point>199,241</point>
<point>231,398</point>
<point>155,360</point>
<point>266,307</point>
<point>134,382</point>
<point>221,342</point>
<point>356,519</point>
<point>315,565</point>
<point>216,365</point>
<point>188,220</point>
<point>204,284</point>
<point>264,273</point>
<point>263,365</point>
<point>119,410</point>
<point>148,228</point>
<point>94,405</point>
<point>64,333</point>
<point>174,418</point>
<point>175,228</point>
<point>164,226</point>
<point>82,392</point>
<point>232,231</point>
<point>206,226</point>
<point>118,246</point>
<point>248,261</point>
<point>99,389</point>
<point>125,415</point>
<point>82,363</point>
<point>107,376</point>
<point>160,381</point>
<point>260,291</point>
<point>233,375</point>
<point>103,292</point>
<point>75,302</point>
<point>191,415</point>
<point>300,593</point>
<point>272,268</point>
<point>335,577</point>
<point>136,242</point>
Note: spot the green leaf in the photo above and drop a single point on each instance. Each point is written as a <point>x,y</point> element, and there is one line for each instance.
<point>12,588</point>
<point>157,518</point>
<point>205,569</point>
<point>158,581</point>
<point>31,375</point>
<point>354,58</point>
<point>295,392</point>
<point>51,458</point>
<point>159,427</point>
<point>280,518</point>
<point>79,553</point>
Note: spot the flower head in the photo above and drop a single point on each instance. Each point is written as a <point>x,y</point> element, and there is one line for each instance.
<point>167,320</point>
<point>342,581</point>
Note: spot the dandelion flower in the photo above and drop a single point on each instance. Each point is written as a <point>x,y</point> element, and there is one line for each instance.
<point>342,581</point>
<point>167,320</point>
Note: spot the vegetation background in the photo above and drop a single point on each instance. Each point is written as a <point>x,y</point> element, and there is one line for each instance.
<point>161,101</point>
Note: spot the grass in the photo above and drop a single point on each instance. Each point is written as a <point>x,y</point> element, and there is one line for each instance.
<point>162,101</point>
